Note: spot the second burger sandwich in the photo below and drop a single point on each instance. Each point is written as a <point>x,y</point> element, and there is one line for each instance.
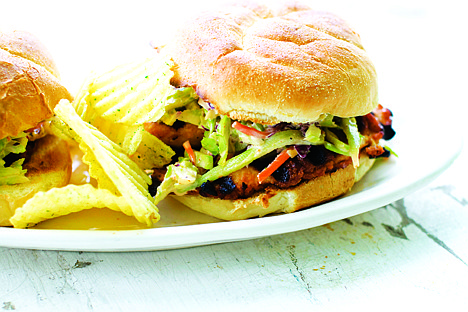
<point>31,159</point>
<point>287,111</point>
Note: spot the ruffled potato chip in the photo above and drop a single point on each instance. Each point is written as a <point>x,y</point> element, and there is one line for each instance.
<point>120,101</point>
<point>62,201</point>
<point>149,153</point>
<point>111,167</point>
<point>129,94</point>
<point>106,119</point>
<point>137,143</point>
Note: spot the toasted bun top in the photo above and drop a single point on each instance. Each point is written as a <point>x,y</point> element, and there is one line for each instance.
<point>29,84</point>
<point>292,65</point>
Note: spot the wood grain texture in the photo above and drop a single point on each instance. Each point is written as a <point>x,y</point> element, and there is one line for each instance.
<point>391,252</point>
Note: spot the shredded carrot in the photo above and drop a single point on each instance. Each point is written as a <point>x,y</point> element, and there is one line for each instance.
<point>189,150</point>
<point>249,130</point>
<point>275,164</point>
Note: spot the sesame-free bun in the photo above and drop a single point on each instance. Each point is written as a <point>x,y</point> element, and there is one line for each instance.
<point>29,91</point>
<point>48,166</point>
<point>293,64</point>
<point>275,200</point>
<point>29,83</point>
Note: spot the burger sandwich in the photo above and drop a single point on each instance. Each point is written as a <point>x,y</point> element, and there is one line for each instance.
<point>283,112</point>
<point>31,160</point>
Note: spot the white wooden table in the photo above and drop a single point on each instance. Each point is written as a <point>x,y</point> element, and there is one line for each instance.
<point>412,253</point>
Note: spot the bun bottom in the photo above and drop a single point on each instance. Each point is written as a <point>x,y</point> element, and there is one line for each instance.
<point>274,200</point>
<point>49,166</point>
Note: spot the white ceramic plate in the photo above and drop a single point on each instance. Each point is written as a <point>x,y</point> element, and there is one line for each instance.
<point>388,181</point>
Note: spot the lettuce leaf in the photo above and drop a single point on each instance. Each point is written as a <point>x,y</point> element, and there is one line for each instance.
<point>350,128</point>
<point>183,176</point>
<point>13,173</point>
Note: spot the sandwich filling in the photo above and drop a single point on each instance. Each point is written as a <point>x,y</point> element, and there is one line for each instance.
<point>231,159</point>
<point>13,152</point>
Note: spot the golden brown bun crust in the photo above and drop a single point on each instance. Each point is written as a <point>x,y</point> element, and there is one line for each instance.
<point>49,166</point>
<point>290,65</point>
<point>306,194</point>
<point>25,45</point>
<point>29,85</point>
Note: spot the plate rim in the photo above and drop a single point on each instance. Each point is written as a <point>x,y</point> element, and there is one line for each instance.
<point>184,236</point>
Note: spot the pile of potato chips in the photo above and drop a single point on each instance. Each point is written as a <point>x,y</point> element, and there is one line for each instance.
<point>106,120</point>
